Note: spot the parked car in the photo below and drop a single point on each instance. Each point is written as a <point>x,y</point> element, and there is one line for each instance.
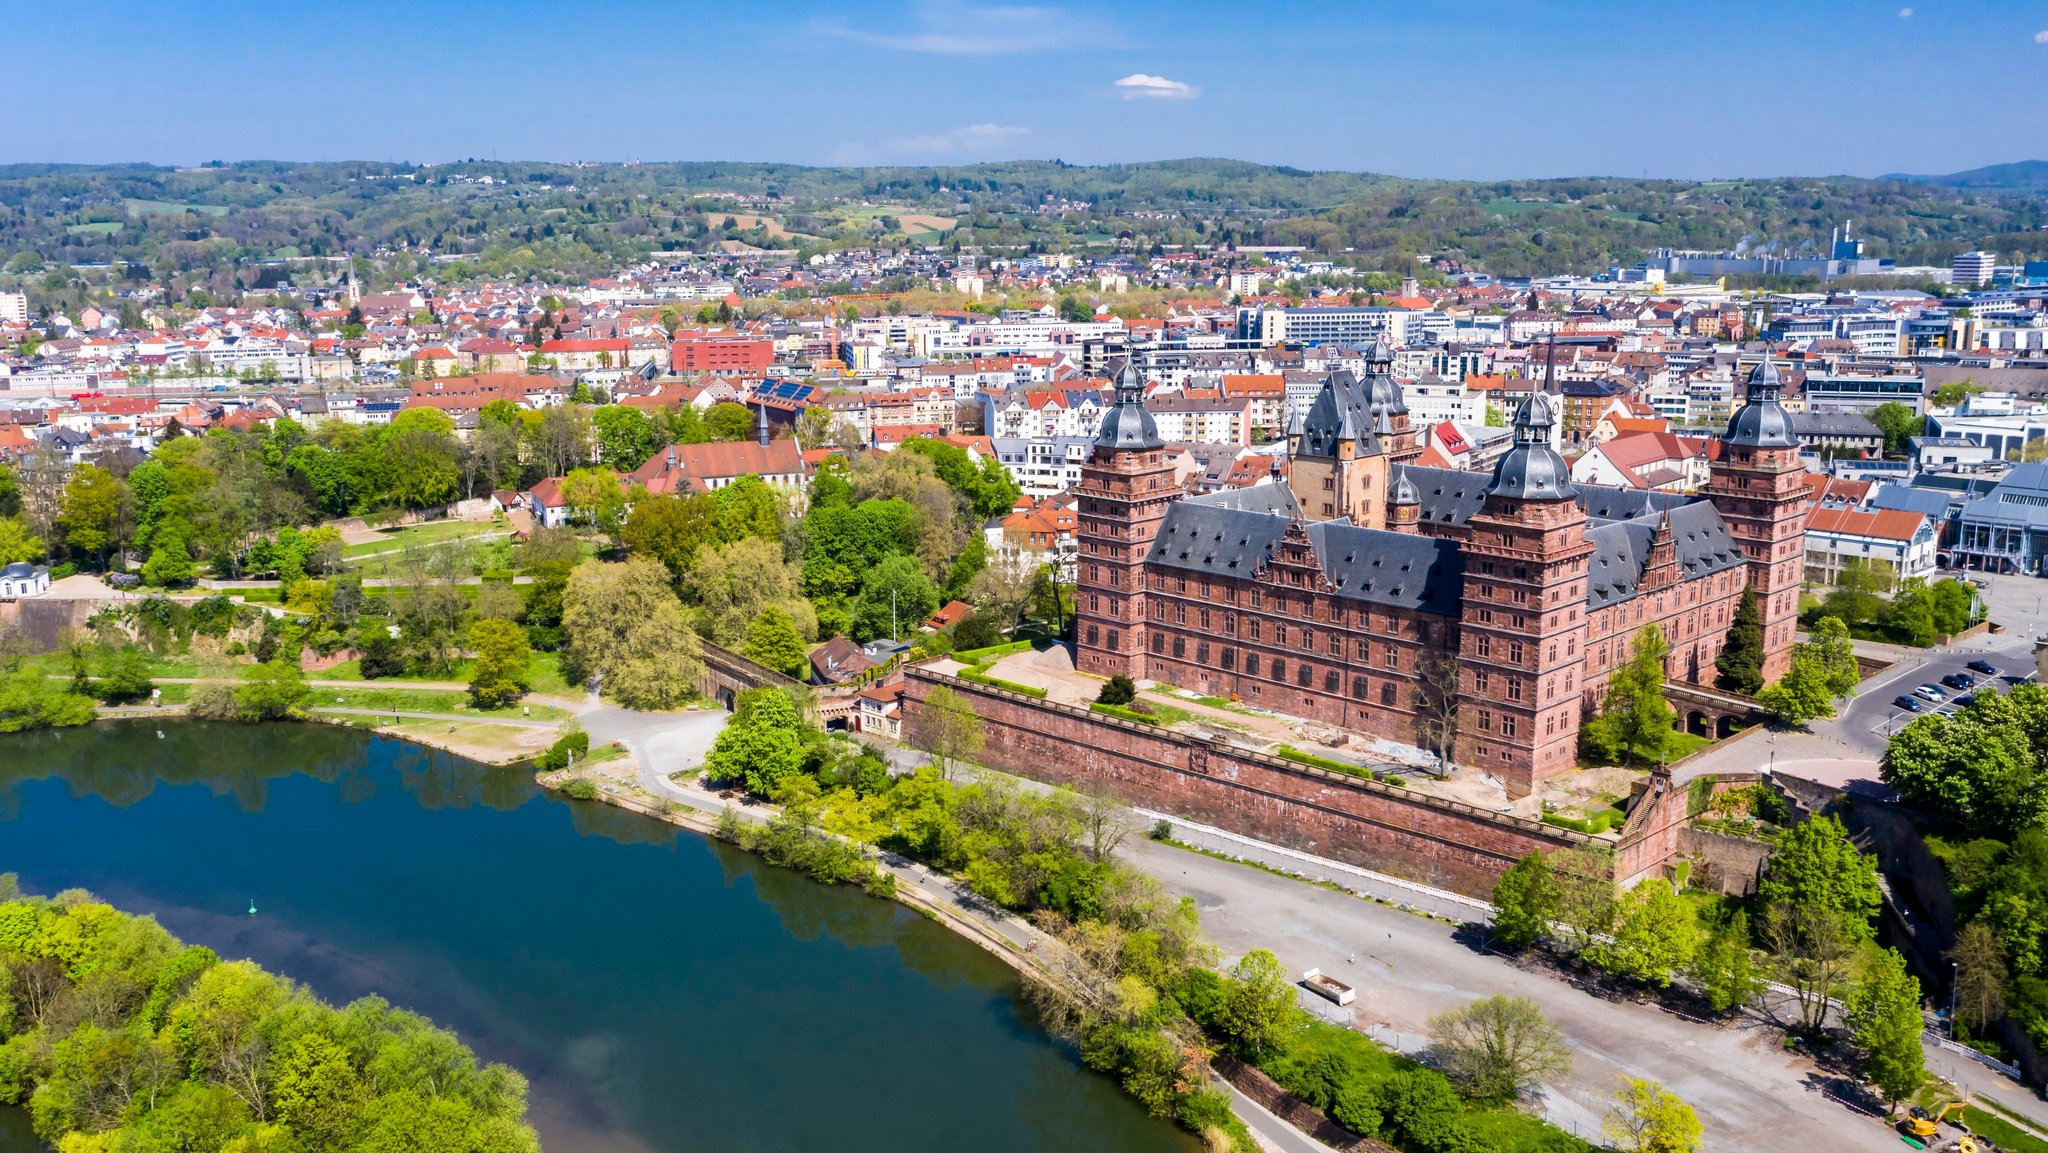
<point>1983,666</point>
<point>1966,700</point>
<point>1959,680</point>
<point>1930,693</point>
<point>1910,704</point>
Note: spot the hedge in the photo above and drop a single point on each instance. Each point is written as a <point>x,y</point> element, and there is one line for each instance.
<point>983,656</point>
<point>1123,714</point>
<point>1289,753</point>
<point>978,677</point>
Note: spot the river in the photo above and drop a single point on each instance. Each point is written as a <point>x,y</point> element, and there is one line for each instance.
<point>662,991</point>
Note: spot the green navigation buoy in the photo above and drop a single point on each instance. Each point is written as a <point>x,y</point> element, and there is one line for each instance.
<point>252,908</point>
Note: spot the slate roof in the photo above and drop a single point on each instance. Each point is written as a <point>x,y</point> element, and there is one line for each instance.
<point>1401,570</point>
<point>1340,412</point>
<point>1621,550</point>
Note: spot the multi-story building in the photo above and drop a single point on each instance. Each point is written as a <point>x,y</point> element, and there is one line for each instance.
<point>1521,588</point>
<point>13,308</point>
<point>1970,269</point>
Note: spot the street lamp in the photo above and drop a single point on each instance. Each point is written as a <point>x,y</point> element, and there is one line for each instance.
<point>1954,972</point>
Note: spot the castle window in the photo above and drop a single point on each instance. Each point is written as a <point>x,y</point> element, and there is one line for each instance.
<point>1112,638</point>
<point>1485,721</point>
<point>1571,646</point>
<point>1229,659</point>
<point>1481,681</point>
<point>1229,624</point>
<point>1180,613</point>
<point>1308,640</point>
<point>1361,688</point>
<point>1514,688</point>
<point>1158,642</point>
<point>1336,645</point>
<point>1390,657</point>
<point>1304,674</point>
<point>1279,669</point>
<point>1507,726</point>
<point>1205,620</point>
<point>1092,636</point>
<point>1279,634</point>
<point>1180,647</point>
<point>1514,652</point>
<point>1251,664</point>
<point>1483,646</point>
<point>1202,653</point>
<point>1553,650</point>
<point>1387,692</point>
<point>1329,682</point>
<point>1252,628</point>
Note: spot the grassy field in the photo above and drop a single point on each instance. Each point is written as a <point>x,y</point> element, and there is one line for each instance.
<point>171,207</point>
<point>546,672</point>
<point>425,533</point>
<point>406,700</point>
<point>102,228</point>
<point>472,738</point>
<point>59,664</point>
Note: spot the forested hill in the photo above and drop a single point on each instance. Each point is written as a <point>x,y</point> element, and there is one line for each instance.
<point>530,218</point>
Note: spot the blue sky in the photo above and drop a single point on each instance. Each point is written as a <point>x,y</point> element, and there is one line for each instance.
<point>1451,88</point>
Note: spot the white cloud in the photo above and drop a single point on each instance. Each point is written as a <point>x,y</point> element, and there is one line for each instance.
<point>1905,13</point>
<point>1139,86</point>
<point>945,28</point>
<point>2041,37</point>
<point>972,139</point>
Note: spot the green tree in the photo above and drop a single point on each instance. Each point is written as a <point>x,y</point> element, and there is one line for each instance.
<point>17,543</point>
<point>124,676</point>
<point>1740,667</point>
<point>1897,422</point>
<point>1117,690</point>
<point>1801,695</point>
<point>1497,1048</point>
<point>1883,1014</point>
<point>1073,308</point>
<point>1980,976</point>
<point>1634,721</point>
<point>1258,1005</point>
<point>1648,1118</point>
<point>626,630</point>
<point>499,671</point>
<point>1859,592</point>
<point>895,597</point>
<point>1831,648</point>
<point>1655,934</point>
<point>90,511</point>
<point>672,529</point>
<point>1525,901</point>
<point>749,508</point>
<point>1814,865</point>
<point>948,728</point>
<point>729,421</point>
<point>317,1090</point>
<point>1980,767</point>
<point>625,436</point>
<point>761,746</point>
<point>773,640</point>
<point>1722,966</point>
<point>269,691</point>
<point>1953,393</point>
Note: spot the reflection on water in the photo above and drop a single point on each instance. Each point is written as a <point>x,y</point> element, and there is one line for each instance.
<point>662,991</point>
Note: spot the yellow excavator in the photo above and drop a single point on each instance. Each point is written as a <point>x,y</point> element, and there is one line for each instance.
<point>1926,1127</point>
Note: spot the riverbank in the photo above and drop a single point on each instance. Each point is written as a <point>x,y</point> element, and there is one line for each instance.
<point>497,742</point>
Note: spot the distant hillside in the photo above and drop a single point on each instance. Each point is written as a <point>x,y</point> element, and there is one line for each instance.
<point>228,225</point>
<point>2027,175</point>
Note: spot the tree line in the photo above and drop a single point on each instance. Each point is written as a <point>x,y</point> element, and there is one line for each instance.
<point>116,1036</point>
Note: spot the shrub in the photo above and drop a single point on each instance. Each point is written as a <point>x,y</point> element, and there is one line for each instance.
<point>1118,690</point>
<point>566,749</point>
<point>1162,830</point>
<point>580,789</point>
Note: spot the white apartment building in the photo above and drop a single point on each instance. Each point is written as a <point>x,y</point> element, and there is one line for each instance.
<point>1042,466</point>
<point>1972,268</point>
<point>1433,400</point>
<point>1900,543</point>
<point>13,308</point>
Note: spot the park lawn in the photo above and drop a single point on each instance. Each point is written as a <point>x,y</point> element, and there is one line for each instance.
<point>1683,745</point>
<point>544,675</point>
<point>414,700</point>
<point>59,665</point>
<point>473,737</point>
<point>426,533</point>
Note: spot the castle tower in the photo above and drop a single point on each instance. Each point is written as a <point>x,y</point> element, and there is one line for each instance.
<point>1389,409</point>
<point>1404,504</point>
<point>1337,466</point>
<point>1125,488</point>
<point>1523,619</point>
<point>1759,486</point>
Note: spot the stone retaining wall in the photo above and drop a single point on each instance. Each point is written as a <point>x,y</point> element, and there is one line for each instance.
<point>1394,830</point>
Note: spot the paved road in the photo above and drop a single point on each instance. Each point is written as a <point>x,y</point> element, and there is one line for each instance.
<point>1749,1094</point>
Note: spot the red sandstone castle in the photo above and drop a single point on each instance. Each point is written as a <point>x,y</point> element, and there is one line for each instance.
<point>1318,598</point>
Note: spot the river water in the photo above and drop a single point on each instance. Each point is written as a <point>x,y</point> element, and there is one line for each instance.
<point>662,991</point>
